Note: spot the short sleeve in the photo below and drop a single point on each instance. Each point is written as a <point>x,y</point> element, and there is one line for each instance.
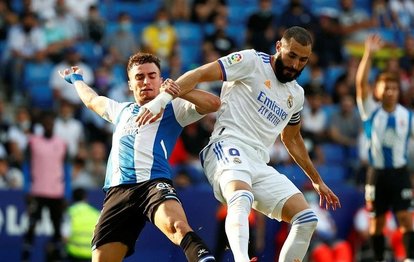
<point>113,110</point>
<point>185,112</point>
<point>237,65</point>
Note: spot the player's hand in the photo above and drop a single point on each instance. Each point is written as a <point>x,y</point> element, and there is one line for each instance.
<point>373,43</point>
<point>327,197</point>
<point>71,75</point>
<point>170,87</point>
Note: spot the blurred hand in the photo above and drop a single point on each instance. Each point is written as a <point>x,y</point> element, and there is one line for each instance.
<point>373,43</point>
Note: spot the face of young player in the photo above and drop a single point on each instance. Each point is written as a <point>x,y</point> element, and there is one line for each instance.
<point>291,59</point>
<point>388,92</point>
<point>144,81</point>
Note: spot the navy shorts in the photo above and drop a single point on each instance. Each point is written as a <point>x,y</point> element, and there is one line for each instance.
<point>127,208</point>
<point>392,190</point>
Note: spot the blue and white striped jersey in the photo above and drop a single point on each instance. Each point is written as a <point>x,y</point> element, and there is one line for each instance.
<point>387,133</point>
<point>255,106</point>
<point>141,153</point>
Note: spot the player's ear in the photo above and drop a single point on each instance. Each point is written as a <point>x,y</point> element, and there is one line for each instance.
<point>129,85</point>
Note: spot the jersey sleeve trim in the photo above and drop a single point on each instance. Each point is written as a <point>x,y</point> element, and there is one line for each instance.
<point>295,119</point>
<point>223,71</point>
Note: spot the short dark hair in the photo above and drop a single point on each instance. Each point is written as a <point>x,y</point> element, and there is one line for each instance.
<point>300,34</point>
<point>388,77</point>
<point>143,58</point>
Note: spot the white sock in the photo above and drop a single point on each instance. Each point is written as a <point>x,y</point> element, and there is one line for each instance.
<point>297,243</point>
<point>237,223</point>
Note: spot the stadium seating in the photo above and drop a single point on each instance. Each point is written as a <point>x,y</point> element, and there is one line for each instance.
<point>333,153</point>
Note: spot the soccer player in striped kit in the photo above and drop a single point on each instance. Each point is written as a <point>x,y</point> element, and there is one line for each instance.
<point>387,126</point>
<point>260,100</point>
<point>138,182</point>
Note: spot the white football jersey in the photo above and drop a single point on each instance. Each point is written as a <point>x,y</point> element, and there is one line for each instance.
<point>255,107</point>
<point>387,133</point>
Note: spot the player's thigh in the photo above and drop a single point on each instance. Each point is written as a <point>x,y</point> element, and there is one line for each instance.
<point>272,191</point>
<point>225,162</point>
<point>110,252</point>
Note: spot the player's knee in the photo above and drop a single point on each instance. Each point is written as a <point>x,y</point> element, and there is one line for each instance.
<point>305,222</point>
<point>240,200</point>
<point>179,230</point>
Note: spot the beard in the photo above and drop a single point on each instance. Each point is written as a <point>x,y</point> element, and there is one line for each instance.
<point>280,68</point>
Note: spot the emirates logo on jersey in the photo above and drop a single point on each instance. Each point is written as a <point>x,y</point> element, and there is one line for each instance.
<point>290,102</point>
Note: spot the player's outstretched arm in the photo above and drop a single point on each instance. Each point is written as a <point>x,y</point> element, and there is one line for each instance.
<point>88,96</point>
<point>205,102</point>
<point>293,141</point>
<point>372,44</point>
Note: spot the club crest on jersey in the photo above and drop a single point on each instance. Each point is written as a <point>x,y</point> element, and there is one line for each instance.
<point>234,58</point>
<point>290,101</point>
<point>237,160</point>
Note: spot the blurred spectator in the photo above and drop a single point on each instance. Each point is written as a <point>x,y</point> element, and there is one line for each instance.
<point>296,14</point>
<point>382,14</point>
<point>80,9</point>
<point>18,136</point>
<point>96,161</point>
<point>5,123</point>
<point>179,10</point>
<point>94,25</point>
<point>10,177</point>
<point>219,39</point>
<point>160,38</point>
<point>69,129</point>
<point>25,42</point>
<point>82,219</point>
<point>47,184</point>
<point>43,8</point>
<point>62,30</point>
<point>260,34</point>
<point>7,19</point>
<point>176,67</point>
<point>80,177</point>
<point>63,90</point>
<point>314,125</point>
<point>402,13</point>
<point>407,59</point>
<point>203,11</point>
<point>354,22</point>
<point>328,39</point>
<point>345,124</point>
<point>279,155</point>
<point>121,44</point>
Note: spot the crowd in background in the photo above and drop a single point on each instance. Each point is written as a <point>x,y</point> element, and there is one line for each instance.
<point>38,38</point>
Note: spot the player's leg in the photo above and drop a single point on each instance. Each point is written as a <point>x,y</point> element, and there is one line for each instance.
<point>228,168</point>
<point>303,222</point>
<point>239,199</point>
<point>377,238</point>
<point>277,197</point>
<point>170,218</point>
<point>110,252</point>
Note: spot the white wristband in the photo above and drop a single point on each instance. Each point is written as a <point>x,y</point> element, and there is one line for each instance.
<point>164,98</point>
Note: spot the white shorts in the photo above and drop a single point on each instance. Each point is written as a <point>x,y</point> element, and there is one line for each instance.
<point>226,161</point>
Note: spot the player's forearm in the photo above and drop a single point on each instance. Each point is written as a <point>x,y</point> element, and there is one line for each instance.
<point>205,102</point>
<point>362,75</point>
<point>86,93</point>
<point>298,152</point>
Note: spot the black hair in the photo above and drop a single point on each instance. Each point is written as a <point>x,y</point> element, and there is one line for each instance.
<point>300,34</point>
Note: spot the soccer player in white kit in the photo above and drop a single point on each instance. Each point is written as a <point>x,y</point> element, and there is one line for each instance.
<point>387,126</point>
<point>138,182</point>
<point>260,99</point>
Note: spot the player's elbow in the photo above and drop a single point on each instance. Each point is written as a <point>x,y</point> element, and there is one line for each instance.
<point>214,103</point>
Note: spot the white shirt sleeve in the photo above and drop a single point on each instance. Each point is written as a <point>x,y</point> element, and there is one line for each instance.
<point>185,112</point>
<point>366,107</point>
<point>113,110</point>
<point>237,65</point>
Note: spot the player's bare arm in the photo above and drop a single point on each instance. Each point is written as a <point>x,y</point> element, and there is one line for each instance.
<point>151,111</point>
<point>88,96</point>
<point>293,141</point>
<point>205,102</point>
<point>372,44</point>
